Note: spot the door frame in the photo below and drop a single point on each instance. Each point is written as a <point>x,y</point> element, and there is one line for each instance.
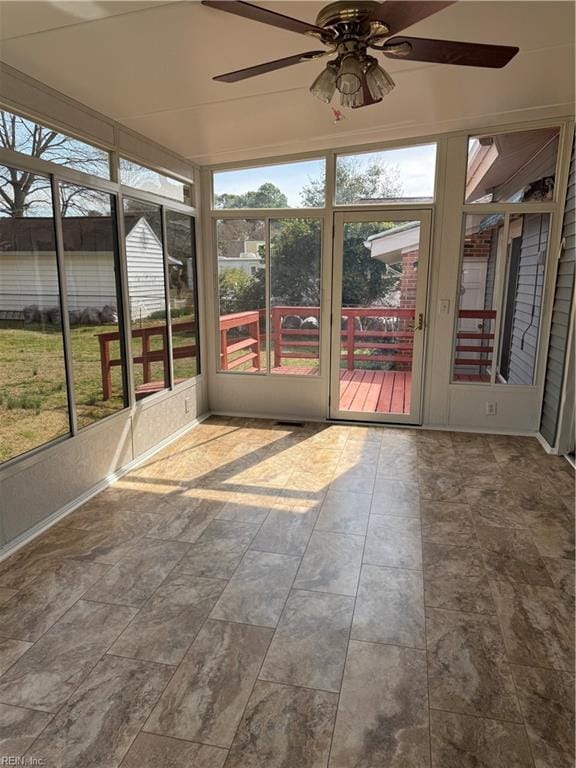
<point>424,215</point>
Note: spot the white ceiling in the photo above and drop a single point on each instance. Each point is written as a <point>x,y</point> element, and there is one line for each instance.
<point>149,65</point>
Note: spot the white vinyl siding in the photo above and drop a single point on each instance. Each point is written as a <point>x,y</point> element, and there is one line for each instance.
<point>560,316</point>
<point>528,299</point>
<point>26,279</point>
<point>145,262</point>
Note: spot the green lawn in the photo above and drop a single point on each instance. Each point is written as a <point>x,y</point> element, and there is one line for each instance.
<point>33,402</point>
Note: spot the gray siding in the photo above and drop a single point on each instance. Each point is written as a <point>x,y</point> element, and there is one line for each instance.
<point>528,299</point>
<point>560,317</point>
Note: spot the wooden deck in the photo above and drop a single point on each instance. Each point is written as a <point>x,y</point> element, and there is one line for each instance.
<point>367,391</point>
<point>375,391</point>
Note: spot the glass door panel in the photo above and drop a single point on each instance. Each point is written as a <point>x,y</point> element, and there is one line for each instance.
<point>380,277</point>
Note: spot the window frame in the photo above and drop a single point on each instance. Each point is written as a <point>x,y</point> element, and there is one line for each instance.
<point>497,205</point>
<point>507,210</point>
<point>263,164</point>
<point>271,214</point>
<point>390,203</point>
<point>63,174</point>
<point>118,280</point>
<point>133,191</point>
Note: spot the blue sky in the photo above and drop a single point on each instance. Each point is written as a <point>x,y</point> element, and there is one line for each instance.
<point>416,166</point>
<point>289,177</point>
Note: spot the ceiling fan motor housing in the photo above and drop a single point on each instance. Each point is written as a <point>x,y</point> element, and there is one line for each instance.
<point>357,16</point>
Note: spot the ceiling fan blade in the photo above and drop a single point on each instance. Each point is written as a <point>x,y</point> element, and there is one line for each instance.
<point>256,13</point>
<point>399,14</point>
<point>269,66</point>
<point>452,52</point>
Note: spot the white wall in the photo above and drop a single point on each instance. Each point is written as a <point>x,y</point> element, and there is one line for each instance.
<point>39,486</point>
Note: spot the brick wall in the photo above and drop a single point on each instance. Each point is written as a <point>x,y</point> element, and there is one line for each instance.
<point>478,245</point>
<point>408,280</point>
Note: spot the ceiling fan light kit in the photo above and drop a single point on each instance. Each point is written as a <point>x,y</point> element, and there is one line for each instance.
<point>378,81</point>
<point>325,84</point>
<point>349,28</point>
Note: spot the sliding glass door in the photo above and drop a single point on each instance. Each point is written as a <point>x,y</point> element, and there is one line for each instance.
<point>379,315</point>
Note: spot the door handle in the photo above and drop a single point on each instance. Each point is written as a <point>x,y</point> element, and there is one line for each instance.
<point>420,325</point>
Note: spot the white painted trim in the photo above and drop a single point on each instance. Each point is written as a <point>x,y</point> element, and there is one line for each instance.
<point>32,533</point>
<point>547,447</point>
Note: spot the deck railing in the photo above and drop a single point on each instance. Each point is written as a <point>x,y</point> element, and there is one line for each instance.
<point>146,357</point>
<point>389,341</point>
<point>249,342</point>
<point>475,349</point>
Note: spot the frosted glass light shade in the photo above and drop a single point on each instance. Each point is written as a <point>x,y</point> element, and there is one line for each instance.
<point>325,84</point>
<point>349,79</point>
<point>379,81</point>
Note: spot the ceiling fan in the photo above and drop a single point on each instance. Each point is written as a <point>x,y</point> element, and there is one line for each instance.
<point>349,28</point>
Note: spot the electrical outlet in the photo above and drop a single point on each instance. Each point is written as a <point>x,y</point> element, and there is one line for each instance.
<point>490,408</point>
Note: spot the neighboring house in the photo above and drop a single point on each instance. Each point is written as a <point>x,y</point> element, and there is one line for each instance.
<point>398,248</point>
<point>28,273</point>
<point>248,259</point>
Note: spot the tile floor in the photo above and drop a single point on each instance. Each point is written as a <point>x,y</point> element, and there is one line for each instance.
<point>260,596</point>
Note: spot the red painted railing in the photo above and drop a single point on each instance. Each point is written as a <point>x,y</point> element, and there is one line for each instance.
<point>250,342</point>
<point>146,357</point>
<point>474,349</point>
<point>393,343</point>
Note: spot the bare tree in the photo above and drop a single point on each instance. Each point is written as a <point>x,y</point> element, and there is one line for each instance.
<point>24,193</point>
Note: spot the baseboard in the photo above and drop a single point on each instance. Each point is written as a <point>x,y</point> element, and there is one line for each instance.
<point>25,538</point>
<point>391,425</point>
<point>268,417</point>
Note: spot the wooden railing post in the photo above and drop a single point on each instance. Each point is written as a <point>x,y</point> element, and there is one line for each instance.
<point>350,328</point>
<point>146,367</point>
<point>105,368</point>
<point>224,350</point>
<point>257,344</point>
<point>165,362</point>
<point>277,337</point>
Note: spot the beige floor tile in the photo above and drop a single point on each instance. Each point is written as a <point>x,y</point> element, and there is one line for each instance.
<point>307,721</point>
<point>151,751</point>
<point>36,607</point>
<point>103,716</point>
<point>461,741</point>
<point>331,563</point>
<point>10,652</point>
<point>205,699</point>
<point>476,682</point>
<point>547,703</point>
<point>54,666</point>
<point>258,590</point>
<point>167,624</point>
<point>537,623</point>
<point>344,512</point>
<point>219,550</point>
<point>139,574</point>
<point>394,542</point>
<point>18,729</point>
<point>390,607</point>
<point>309,645</point>
<point>382,715</point>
